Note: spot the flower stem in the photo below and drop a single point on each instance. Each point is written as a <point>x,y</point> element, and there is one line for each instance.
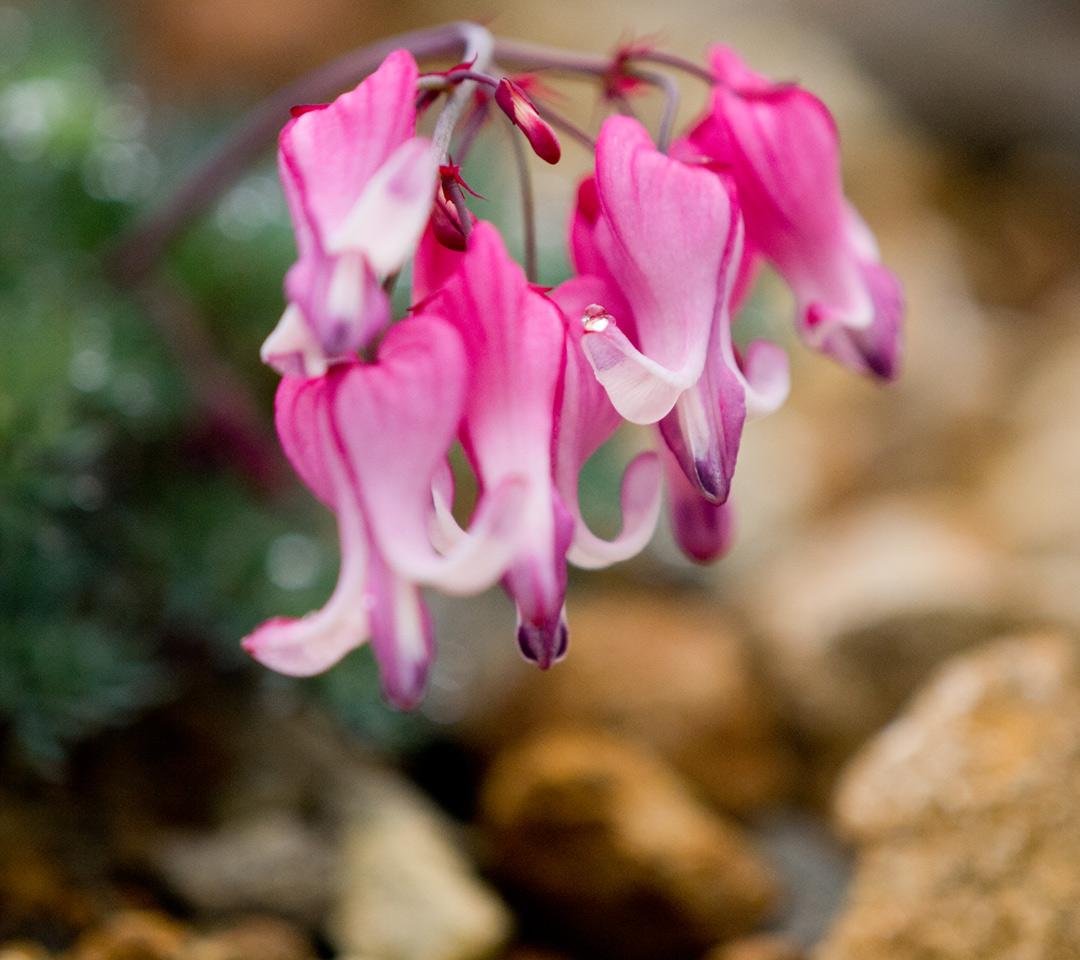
<point>141,249</point>
<point>528,207</point>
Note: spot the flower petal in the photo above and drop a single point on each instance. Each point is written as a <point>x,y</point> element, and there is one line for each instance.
<point>782,147</point>
<point>586,420</point>
<point>402,637</point>
<point>316,642</point>
<point>327,156</point>
<point>397,419</point>
<point>663,233</point>
<point>388,217</point>
<point>703,530</point>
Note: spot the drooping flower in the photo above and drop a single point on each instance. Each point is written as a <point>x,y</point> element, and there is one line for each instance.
<point>514,342</point>
<point>661,233</point>
<point>781,145</point>
<point>369,441</point>
<point>360,186</point>
<point>668,236</point>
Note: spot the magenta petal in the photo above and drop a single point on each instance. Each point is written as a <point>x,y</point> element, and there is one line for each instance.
<point>543,643</point>
<point>704,430</point>
<point>342,301</point>
<point>664,234</point>
<point>307,646</point>
<point>301,648</point>
<point>537,583</point>
<point>782,148</point>
<point>397,419</point>
<point>586,420</point>
<point>327,156</point>
<point>703,530</point>
<point>402,637</point>
<point>513,340</point>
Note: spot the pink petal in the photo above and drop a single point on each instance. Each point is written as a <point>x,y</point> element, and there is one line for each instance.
<point>311,645</point>
<point>342,301</point>
<point>586,420</point>
<point>514,341</point>
<point>402,637</point>
<point>292,349</point>
<point>703,530</point>
<point>663,234</point>
<point>397,419</point>
<point>782,146</point>
<point>327,156</point>
<point>388,217</point>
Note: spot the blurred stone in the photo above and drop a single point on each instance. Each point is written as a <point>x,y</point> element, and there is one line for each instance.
<point>1031,487</point>
<point>38,891</point>
<point>134,935</point>
<point>605,840</point>
<point>23,950</point>
<point>253,938</point>
<point>857,612</point>
<point>815,869</point>
<point>669,672</point>
<point>965,811</point>
<point>985,73</point>
<point>405,889</point>
<point>276,863</point>
<point>764,946</point>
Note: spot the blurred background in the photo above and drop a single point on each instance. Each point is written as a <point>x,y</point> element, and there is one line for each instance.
<point>669,789</point>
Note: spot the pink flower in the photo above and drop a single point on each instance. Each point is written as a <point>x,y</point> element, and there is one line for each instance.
<point>781,145</point>
<point>514,348</point>
<point>370,440</point>
<point>360,185</point>
<point>668,236</point>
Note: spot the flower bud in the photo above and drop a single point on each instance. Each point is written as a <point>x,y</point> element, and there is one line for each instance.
<point>519,108</point>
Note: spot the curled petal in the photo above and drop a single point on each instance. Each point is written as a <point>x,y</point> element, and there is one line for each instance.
<point>291,349</point>
<point>316,642</point>
<point>642,495</point>
<point>586,420</point>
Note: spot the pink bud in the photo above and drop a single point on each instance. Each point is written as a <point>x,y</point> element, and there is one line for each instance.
<point>519,108</point>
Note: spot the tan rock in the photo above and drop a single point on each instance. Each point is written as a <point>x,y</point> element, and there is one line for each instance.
<point>253,938</point>
<point>274,863</point>
<point>23,950</point>
<point>616,848</point>
<point>965,810</point>
<point>406,891</point>
<point>763,946</point>
<point>669,672</point>
<point>859,610</point>
<point>134,935</point>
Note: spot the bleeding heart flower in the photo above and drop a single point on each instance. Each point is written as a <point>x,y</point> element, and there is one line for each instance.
<point>781,146</point>
<point>360,185</point>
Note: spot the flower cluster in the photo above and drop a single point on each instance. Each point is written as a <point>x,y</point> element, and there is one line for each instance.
<point>530,382</point>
